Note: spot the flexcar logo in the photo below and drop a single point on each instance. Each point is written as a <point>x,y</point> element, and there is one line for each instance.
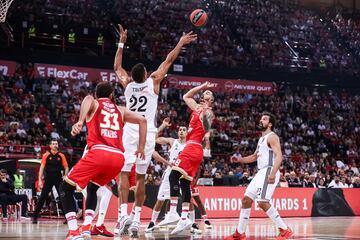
<point>62,74</point>
<point>4,69</point>
<point>229,86</point>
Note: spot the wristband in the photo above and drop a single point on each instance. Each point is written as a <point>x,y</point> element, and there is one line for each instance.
<point>120,45</point>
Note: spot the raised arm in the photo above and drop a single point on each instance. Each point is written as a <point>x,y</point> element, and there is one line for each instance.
<point>120,72</point>
<point>160,73</point>
<point>87,108</point>
<point>274,142</point>
<point>188,97</point>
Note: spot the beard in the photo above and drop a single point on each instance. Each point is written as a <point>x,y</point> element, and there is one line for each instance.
<point>261,127</point>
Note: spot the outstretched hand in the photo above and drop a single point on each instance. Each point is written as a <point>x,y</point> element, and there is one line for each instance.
<point>123,34</point>
<point>188,38</point>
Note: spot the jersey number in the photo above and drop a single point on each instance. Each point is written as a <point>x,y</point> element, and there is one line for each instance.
<point>110,120</point>
<point>134,101</point>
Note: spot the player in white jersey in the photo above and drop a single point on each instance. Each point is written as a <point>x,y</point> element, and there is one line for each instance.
<point>261,188</point>
<point>176,146</point>
<point>141,96</point>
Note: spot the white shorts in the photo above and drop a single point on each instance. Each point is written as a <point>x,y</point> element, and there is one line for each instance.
<point>259,188</point>
<point>131,141</point>
<point>164,189</point>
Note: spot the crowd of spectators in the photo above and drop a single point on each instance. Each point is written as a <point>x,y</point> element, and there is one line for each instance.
<point>268,34</point>
<point>319,127</point>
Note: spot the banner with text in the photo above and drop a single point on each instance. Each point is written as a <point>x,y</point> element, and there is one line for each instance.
<point>222,85</point>
<point>175,81</point>
<point>225,202</point>
<point>7,68</point>
<point>74,73</point>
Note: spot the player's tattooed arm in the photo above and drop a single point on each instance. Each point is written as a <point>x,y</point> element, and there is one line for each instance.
<point>207,120</point>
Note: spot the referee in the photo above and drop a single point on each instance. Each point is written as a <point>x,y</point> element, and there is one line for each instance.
<point>52,163</point>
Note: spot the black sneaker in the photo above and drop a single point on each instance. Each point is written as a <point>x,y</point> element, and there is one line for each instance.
<point>195,229</point>
<point>150,228</point>
<point>207,224</point>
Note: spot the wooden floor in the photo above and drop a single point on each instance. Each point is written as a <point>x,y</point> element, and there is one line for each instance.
<point>334,228</point>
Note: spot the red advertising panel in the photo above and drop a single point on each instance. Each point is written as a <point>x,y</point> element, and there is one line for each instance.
<point>74,73</point>
<point>222,85</point>
<point>7,68</point>
<point>225,202</point>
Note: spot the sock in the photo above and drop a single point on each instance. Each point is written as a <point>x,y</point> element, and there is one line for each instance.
<point>71,220</point>
<point>89,216</point>
<point>103,206</point>
<point>173,206</point>
<point>184,212</point>
<point>275,217</point>
<point>123,210</point>
<point>192,216</point>
<point>154,216</point>
<point>244,219</point>
<point>205,217</point>
<point>137,214</point>
<point>132,214</point>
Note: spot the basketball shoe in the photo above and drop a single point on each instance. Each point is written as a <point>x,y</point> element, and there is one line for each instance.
<point>236,236</point>
<point>284,234</point>
<point>182,225</point>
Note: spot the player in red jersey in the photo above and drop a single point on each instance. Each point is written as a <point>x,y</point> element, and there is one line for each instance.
<point>104,160</point>
<point>188,162</point>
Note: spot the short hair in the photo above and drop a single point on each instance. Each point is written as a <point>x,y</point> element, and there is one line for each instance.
<point>3,171</point>
<point>53,140</point>
<point>103,90</point>
<point>272,119</point>
<point>138,72</point>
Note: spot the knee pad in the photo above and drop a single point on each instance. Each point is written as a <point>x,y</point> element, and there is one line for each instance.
<point>185,190</point>
<point>174,183</point>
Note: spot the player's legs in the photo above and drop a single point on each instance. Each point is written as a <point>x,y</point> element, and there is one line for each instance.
<point>43,196</point>
<point>123,193</point>
<point>265,193</point>
<point>69,207</point>
<point>104,194</point>
<point>91,202</point>
<point>202,211</point>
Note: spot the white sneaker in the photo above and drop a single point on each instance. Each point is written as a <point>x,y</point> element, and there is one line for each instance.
<point>134,229</point>
<point>169,219</point>
<point>150,228</point>
<point>181,226</point>
<point>122,226</point>
<point>195,229</point>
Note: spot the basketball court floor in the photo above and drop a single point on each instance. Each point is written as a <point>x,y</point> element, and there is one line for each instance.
<point>334,228</point>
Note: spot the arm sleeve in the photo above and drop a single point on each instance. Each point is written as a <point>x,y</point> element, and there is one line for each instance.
<point>63,160</point>
<point>44,157</point>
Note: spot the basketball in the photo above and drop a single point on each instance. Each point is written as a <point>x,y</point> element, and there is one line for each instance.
<point>198,17</point>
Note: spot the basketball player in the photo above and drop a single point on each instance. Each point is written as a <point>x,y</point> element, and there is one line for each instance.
<point>189,160</point>
<point>104,160</point>
<point>176,146</point>
<point>269,157</point>
<point>142,97</point>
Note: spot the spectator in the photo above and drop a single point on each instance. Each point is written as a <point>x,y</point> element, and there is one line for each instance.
<point>8,196</point>
<point>335,183</point>
<point>283,182</point>
<point>293,180</point>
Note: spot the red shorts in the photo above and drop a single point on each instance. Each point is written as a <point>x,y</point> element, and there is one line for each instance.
<point>100,165</point>
<point>132,177</point>
<point>189,160</point>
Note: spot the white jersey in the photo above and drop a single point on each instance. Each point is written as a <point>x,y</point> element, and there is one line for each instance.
<point>175,150</point>
<point>142,99</point>
<point>266,155</point>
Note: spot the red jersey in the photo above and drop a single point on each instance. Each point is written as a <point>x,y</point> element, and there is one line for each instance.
<point>106,125</point>
<point>196,131</point>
